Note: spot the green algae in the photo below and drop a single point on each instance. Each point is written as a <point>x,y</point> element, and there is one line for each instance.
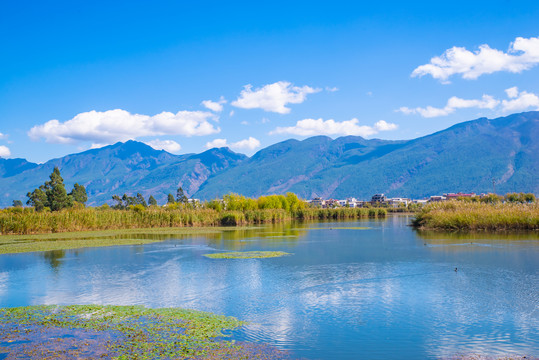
<point>247,255</point>
<point>135,332</point>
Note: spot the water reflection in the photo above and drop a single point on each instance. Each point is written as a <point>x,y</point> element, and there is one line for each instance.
<point>366,289</point>
<point>54,258</point>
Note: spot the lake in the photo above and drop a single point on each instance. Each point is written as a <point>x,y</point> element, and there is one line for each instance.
<point>370,289</point>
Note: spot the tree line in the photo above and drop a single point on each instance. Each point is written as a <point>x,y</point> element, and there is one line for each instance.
<point>53,196</point>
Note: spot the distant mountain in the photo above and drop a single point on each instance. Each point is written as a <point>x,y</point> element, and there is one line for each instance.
<point>12,167</point>
<point>466,157</point>
<point>128,167</point>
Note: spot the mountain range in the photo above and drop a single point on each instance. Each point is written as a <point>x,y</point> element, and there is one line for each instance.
<point>474,156</point>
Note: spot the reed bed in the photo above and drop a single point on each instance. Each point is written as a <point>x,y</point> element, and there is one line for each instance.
<point>27,221</point>
<point>461,215</point>
<point>339,213</point>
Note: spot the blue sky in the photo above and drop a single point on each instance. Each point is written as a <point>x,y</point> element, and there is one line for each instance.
<point>185,76</point>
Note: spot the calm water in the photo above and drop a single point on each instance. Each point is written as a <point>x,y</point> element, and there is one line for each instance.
<point>366,289</point>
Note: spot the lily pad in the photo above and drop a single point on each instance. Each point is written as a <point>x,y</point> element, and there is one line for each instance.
<point>247,255</point>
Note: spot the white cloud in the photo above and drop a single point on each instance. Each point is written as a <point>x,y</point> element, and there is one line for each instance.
<point>3,136</point>
<point>383,125</point>
<point>332,89</point>
<point>4,151</point>
<point>512,92</point>
<point>244,122</point>
<point>216,106</point>
<point>119,125</point>
<point>168,145</point>
<point>217,143</point>
<point>519,100</point>
<point>522,55</point>
<point>273,97</point>
<point>454,103</point>
<point>97,145</point>
<point>247,144</point>
<point>311,127</point>
<point>251,143</point>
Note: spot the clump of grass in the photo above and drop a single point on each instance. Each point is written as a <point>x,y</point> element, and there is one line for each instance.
<point>461,215</point>
<point>247,255</point>
<point>339,213</point>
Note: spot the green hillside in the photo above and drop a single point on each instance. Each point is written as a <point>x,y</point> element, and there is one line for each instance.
<point>466,157</point>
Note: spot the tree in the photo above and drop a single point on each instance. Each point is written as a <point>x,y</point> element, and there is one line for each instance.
<point>56,192</point>
<point>119,202</point>
<point>152,201</point>
<point>180,196</point>
<point>37,198</point>
<point>140,200</point>
<point>78,194</point>
<point>170,199</point>
<point>17,203</point>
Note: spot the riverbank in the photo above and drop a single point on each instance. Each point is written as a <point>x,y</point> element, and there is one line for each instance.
<point>122,332</point>
<point>13,244</point>
<point>476,216</point>
<point>27,221</point>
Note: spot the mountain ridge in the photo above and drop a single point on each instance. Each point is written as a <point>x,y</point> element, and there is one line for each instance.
<point>464,157</point>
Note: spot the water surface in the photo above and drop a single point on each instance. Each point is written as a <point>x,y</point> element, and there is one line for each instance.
<point>371,289</point>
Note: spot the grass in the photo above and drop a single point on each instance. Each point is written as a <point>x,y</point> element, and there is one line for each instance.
<point>247,255</point>
<point>26,221</point>
<point>476,216</point>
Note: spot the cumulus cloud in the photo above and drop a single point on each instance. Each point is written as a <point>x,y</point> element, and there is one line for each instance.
<point>119,125</point>
<point>273,97</point>
<point>247,144</point>
<point>311,127</point>
<point>454,103</point>
<point>519,100</point>
<point>168,145</point>
<point>523,54</point>
<point>250,144</point>
<point>332,89</point>
<point>385,126</point>
<point>216,106</point>
<point>4,151</point>
<point>217,143</point>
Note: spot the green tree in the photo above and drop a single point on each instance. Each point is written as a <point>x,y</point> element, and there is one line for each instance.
<point>17,203</point>
<point>152,201</point>
<point>78,194</point>
<point>180,196</point>
<point>57,198</point>
<point>170,199</point>
<point>119,203</point>
<point>37,198</point>
<point>140,200</point>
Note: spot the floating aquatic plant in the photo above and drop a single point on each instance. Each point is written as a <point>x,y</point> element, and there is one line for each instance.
<point>247,255</point>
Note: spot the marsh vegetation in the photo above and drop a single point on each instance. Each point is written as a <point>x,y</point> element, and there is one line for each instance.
<point>467,215</point>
